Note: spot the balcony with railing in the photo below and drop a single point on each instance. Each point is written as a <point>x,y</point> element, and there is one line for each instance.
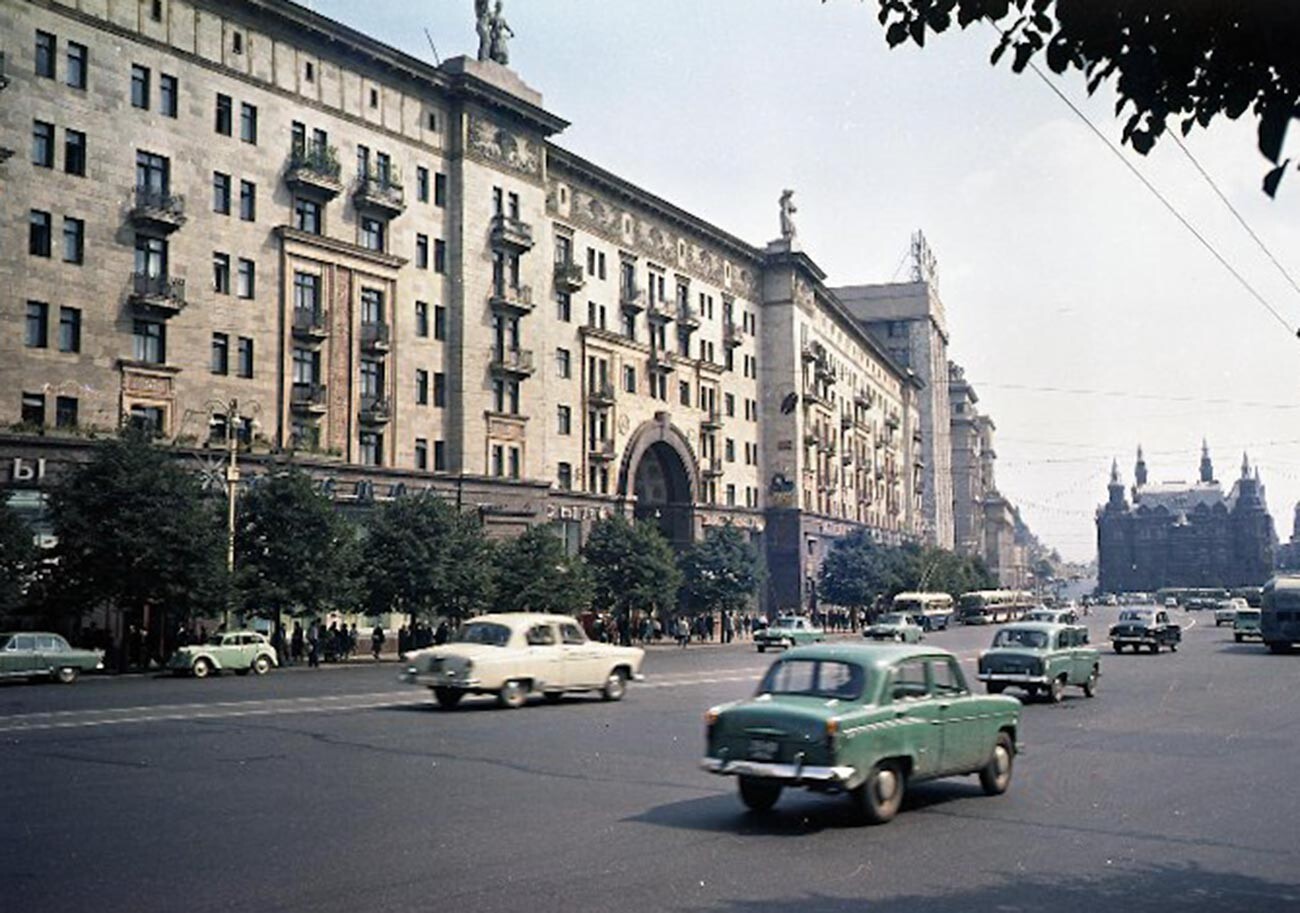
<point>732,334</point>
<point>601,393</point>
<point>164,294</point>
<point>712,467</point>
<point>570,277</point>
<point>509,233</point>
<point>662,360</point>
<point>514,362</point>
<point>601,451</point>
<point>376,410</point>
<point>314,167</point>
<point>310,323</point>
<point>712,420</point>
<point>631,298</point>
<point>375,337</point>
<point>846,421</point>
<point>514,299</point>
<point>687,317</point>
<point>157,209</point>
<point>662,311</point>
<point>381,192</point>
<point>308,397</point>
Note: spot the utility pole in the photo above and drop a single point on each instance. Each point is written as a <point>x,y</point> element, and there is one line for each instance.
<point>232,486</point>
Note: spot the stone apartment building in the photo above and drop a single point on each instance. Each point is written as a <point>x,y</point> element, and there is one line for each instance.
<point>400,282</point>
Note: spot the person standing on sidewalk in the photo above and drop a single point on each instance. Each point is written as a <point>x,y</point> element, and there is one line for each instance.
<point>377,641</point>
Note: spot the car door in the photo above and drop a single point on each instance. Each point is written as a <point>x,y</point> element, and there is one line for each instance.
<point>581,658</point>
<point>20,655</point>
<point>51,652</point>
<point>964,743</point>
<point>916,720</point>
<point>545,663</point>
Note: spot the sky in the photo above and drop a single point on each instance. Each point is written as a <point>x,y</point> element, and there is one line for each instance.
<point>1088,318</point>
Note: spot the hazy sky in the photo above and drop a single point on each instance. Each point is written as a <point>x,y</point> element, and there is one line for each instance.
<point>1059,271</point>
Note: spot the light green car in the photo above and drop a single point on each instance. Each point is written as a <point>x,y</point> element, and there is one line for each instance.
<point>239,651</point>
<point>788,631</point>
<point>862,719</point>
<point>1041,659</point>
<point>39,654</point>
<point>1246,623</point>
<point>896,626</point>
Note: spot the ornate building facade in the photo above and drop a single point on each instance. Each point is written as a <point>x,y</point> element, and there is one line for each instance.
<point>1184,534</point>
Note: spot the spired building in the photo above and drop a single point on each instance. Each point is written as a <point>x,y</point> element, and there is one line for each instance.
<point>243,216</point>
<point>1176,534</point>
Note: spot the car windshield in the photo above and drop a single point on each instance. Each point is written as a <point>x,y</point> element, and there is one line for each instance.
<point>4,640</point>
<point>217,640</point>
<point>815,678</point>
<point>785,623</point>
<point>1135,616</point>
<point>1040,616</point>
<point>1248,614</point>
<point>894,619</point>
<point>483,632</point>
<point>1035,640</point>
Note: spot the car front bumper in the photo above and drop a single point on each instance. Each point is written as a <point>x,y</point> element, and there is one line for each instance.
<point>768,770</point>
<point>1013,678</point>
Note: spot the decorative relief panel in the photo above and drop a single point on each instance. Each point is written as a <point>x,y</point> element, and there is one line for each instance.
<point>146,384</point>
<point>504,147</point>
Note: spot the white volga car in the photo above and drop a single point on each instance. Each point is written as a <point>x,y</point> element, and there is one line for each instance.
<point>517,655</point>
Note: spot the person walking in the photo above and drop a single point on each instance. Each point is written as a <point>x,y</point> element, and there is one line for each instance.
<point>295,643</point>
<point>313,645</point>
<point>376,641</point>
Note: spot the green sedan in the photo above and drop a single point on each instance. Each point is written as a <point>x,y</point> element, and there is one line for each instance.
<point>788,631</point>
<point>239,651</point>
<point>39,654</point>
<point>861,719</point>
<point>1041,659</point>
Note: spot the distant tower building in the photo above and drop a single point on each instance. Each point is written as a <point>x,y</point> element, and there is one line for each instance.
<point>1207,468</point>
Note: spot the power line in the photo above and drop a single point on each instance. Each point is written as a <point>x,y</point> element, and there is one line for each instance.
<point>1125,394</point>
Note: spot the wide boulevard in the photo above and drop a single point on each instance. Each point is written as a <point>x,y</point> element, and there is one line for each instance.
<point>341,790</point>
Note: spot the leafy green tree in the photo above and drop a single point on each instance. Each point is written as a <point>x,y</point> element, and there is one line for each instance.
<point>632,567</point>
<point>18,559</point>
<point>424,557</point>
<point>722,572</point>
<point>858,570</point>
<point>294,553</point>
<point>135,533</point>
<point>942,571</point>
<point>533,574</point>
<point>1171,59</point>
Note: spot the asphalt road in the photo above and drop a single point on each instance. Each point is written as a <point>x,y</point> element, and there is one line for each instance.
<point>341,790</point>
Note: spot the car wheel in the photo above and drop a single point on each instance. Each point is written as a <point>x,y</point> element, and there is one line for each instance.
<point>261,665</point>
<point>879,798</point>
<point>759,795</point>
<point>615,686</point>
<point>1237,638</point>
<point>513,695</point>
<point>996,687</point>
<point>448,698</point>
<point>66,675</point>
<point>1090,686</point>
<point>1056,690</point>
<point>1173,647</point>
<point>202,668</point>
<point>1119,648</point>
<point>762,649</point>
<point>995,777</point>
<point>1154,648</point>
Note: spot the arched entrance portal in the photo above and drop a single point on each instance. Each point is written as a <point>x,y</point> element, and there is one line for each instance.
<point>659,470</point>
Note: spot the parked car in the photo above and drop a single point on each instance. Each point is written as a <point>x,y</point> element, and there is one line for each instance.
<point>862,719</point>
<point>40,654</point>
<point>515,655</point>
<point>1226,611</point>
<point>898,626</point>
<point>1247,623</point>
<point>1041,658</point>
<point>1149,628</point>
<point>1053,616</point>
<point>788,631</point>
<point>240,652</point>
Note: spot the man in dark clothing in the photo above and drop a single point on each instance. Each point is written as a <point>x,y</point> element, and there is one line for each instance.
<point>377,641</point>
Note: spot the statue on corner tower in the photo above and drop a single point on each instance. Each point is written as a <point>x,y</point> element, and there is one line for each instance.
<point>787,215</point>
<point>493,30</point>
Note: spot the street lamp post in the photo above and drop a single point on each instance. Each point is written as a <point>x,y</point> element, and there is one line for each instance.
<point>232,487</point>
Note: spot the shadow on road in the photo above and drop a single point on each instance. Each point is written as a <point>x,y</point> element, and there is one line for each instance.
<point>1185,888</point>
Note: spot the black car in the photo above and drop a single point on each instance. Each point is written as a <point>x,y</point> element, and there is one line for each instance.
<point>1149,628</point>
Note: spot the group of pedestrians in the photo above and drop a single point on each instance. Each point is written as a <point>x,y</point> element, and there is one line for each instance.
<point>316,642</point>
<point>421,634</point>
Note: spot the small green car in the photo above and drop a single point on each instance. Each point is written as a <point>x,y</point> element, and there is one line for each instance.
<point>1247,624</point>
<point>39,654</point>
<point>861,719</point>
<point>238,651</point>
<point>896,626</point>
<point>788,631</point>
<point>1041,659</point>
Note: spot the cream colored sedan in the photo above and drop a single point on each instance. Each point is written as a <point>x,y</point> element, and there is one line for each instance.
<point>518,655</point>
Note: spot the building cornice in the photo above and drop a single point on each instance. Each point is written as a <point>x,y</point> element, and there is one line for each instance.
<point>335,246</point>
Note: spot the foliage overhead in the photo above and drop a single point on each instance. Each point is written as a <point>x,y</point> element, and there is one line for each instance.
<point>424,557</point>
<point>857,570</point>
<point>721,572</point>
<point>535,575</point>
<point>632,567</point>
<point>18,557</point>
<point>294,553</point>
<point>1186,61</point>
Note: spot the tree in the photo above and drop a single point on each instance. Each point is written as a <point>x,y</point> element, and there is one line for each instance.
<point>1171,59</point>
<point>857,570</point>
<point>721,572</point>
<point>18,558</point>
<point>632,568</point>
<point>535,575</point>
<point>136,533</point>
<point>294,553</point>
<point>942,571</point>
<point>424,557</point>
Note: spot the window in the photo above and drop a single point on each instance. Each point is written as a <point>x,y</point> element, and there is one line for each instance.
<point>514,462</point>
<point>422,183</point>
<point>439,256</point>
<point>498,455</point>
<point>563,306</point>
<point>629,378</point>
<point>513,205</point>
<point>74,240</point>
<point>564,416</point>
<point>245,357</point>
<point>306,216</point>
<point>306,293</point>
<point>309,74</point>
<point>729,404</point>
<point>422,251</point>
<point>498,201</point>
<point>591,261</point>
<point>155,10</point>
<point>69,329</point>
<point>374,98</point>
<point>46,47</point>
<point>237,42</point>
<point>77,62</point>
<point>563,363</point>
<point>150,256</point>
<point>372,234</point>
<point>421,453</point>
<point>65,412</point>
<point>731,495</point>
<point>439,322</point>
<point>38,240</point>
<point>33,409</point>
<point>221,193</point>
<point>440,390</point>
<point>150,342</point>
<point>421,387</point>
<point>439,456</point>
<point>363,161</point>
<point>220,354</point>
<point>372,306</point>
<point>74,152</point>
<point>37,333</point>
<point>42,144</point>
<point>148,419</point>
<point>372,443</point>
<point>909,681</point>
<point>225,114</point>
<point>248,123</point>
<point>684,393</point>
<point>440,189</point>
<point>152,172</point>
<point>139,86</point>
<point>247,201</point>
<point>564,476</point>
<point>221,273</point>
<point>729,449</point>
<point>372,378</point>
<point>422,319</point>
<point>246,280</point>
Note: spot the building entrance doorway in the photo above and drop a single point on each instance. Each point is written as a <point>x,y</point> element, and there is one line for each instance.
<point>662,487</point>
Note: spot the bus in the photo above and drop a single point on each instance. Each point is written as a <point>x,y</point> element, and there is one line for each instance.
<point>1279,620</point>
<point>983,607</point>
<point>932,611</point>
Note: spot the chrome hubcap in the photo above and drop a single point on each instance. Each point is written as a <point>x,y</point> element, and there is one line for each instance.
<point>1001,762</point>
<point>886,786</point>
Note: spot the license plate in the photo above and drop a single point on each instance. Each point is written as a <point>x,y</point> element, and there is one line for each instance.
<point>764,749</point>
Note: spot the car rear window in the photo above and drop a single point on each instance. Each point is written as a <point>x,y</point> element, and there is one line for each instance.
<point>1035,640</point>
<point>815,678</point>
<point>483,632</point>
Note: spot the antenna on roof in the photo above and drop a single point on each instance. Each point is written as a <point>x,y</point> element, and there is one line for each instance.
<point>436,61</point>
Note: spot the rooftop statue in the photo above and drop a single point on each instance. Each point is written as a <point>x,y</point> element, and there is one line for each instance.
<point>493,30</point>
<point>787,215</point>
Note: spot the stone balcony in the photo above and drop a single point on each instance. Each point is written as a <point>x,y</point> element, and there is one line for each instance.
<point>601,451</point>
<point>512,234</point>
<point>310,324</point>
<point>376,410</point>
<point>375,337</point>
<point>512,362</point>
<point>570,277</point>
<point>662,360</point>
<point>308,397</point>
<point>160,294</point>
<point>314,168</point>
<point>711,468</point>
<point>732,334</point>
<point>662,311</point>
<point>601,393</point>
<point>513,299</point>
<point>712,420</point>
<point>157,210</point>
<point>687,317</point>
<point>631,299</point>
<point>380,193</point>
